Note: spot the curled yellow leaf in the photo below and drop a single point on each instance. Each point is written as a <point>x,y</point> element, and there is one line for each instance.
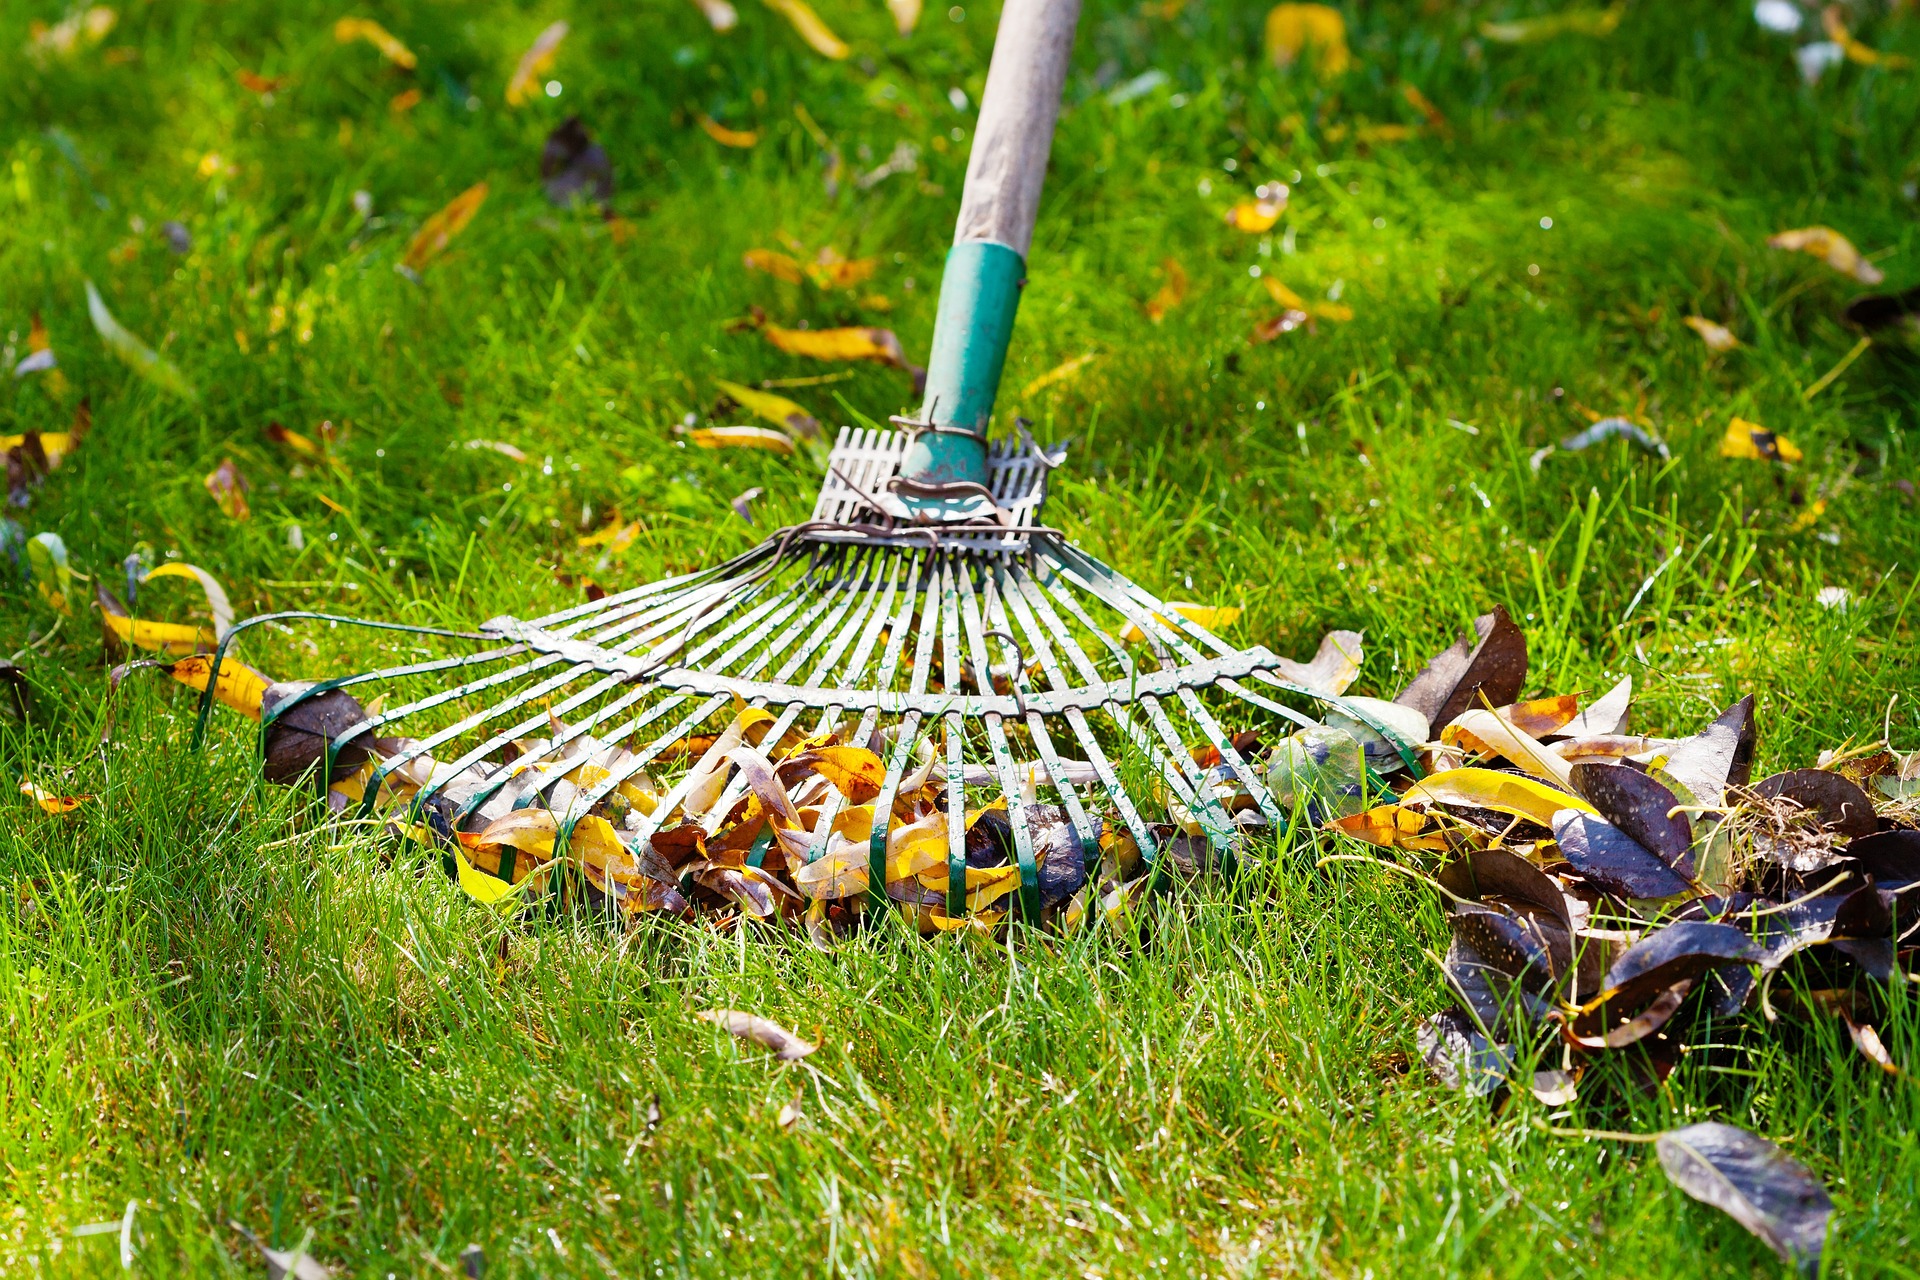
<point>811,28</point>
<point>741,138</point>
<point>1754,442</point>
<point>534,64</point>
<point>1489,789</point>
<point>742,438</point>
<point>442,227</point>
<point>1831,248</point>
<point>347,30</point>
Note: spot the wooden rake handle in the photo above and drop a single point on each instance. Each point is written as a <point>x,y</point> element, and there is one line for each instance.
<point>1014,134</point>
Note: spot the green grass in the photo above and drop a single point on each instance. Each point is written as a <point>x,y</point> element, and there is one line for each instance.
<point>219,1009</point>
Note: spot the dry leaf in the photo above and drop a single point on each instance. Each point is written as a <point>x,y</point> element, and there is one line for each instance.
<point>442,227</point>
<point>778,410</point>
<point>144,360</point>
<point>1831,248</point>
<point>720,15</point>
<point>229,489</point>
<point>1171,294</point>
<point>253,82</point>
<point>1577,22</point>
<point>1834,19</point>
<point>1488,789</point>
<point>47,800</point>
<point>1335,664</point>
<point>347,30</point>
<point>239,686</point>
<point>1059,373</point>
<point>1211,617</point>
<point>1259,214</point>
<point>742,138</point>
<point>742,438</point>
<point>781,266</point>
<point>811,29</point>
<point>1752,441</point>
<point>785,1045</point>
<point>1717,336</point>
<point>1316,30</point>
<point>534,64</point>
<point>841,344</point>
<point>906,15</point>
<point>80,29</point>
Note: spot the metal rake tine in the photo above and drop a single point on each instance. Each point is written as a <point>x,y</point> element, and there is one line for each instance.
<point>1002,754</point>
<point>907,732</point>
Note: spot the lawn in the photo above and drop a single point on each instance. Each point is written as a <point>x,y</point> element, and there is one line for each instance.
<point>222,1009</point>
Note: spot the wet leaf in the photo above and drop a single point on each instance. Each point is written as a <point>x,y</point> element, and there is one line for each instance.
<point>743,139</point>
<point>229,490</point>
<point>720,15</point>
<point>1612,861</point>
<point>1640,806</point>
<point>1490,665</point>
<point>1575,21</point>
<point>137,355</point>
<point>778,410</point>
<point>347,30</point>
<point>1508,793</point>
<point>811,28</point>
<point>742,438</point>
<point>1314,31</point>
<point>1717,336</point>
<point>1173,291</point>
<point>525,82</point>
<point>1831,248</point>
<point>1258,215</point>
<point>1752,441</point>
<point>769,1035</point>
<point>49,801</point>
<point>575,167</point>
<point>440,229</point>
<point>1753,1182</point>
<point>1335,664</point>
<point>1838,804</point>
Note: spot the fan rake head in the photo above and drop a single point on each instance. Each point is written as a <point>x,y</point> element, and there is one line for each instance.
<point>694,734</point>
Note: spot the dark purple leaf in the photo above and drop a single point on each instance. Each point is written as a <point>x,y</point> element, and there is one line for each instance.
<point>1503,877</point>
<point>1840,806</point>
<point>575,167</point>
<point>1612,860</point>
<point>1492,663</point>
<point>1460,1055</point>
<point>1892,858</point>
<point>1688,949</point>
<point>1640,806</point>
<point>1753,1182</point>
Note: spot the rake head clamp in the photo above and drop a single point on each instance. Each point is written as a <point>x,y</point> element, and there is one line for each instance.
<point>924,610</point>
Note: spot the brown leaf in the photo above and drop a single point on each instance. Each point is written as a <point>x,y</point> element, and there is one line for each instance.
<point>1490,664</point>
<point>229,489</point>
<point>436,232</point>
<point>1171,294</point>
<point>769,1035</point>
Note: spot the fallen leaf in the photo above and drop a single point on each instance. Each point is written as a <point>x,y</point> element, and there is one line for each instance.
<point>1642,807</point>
<point>254,82</point>
<point>1831,248</point>
<point>1460,1055</point>
<point>1834,19</point>
<point>82,28</point>
<point>810,27</point>
<point>1490,665</point>
<point>49,567</point>
<point>778,410</point>
<point>1753,1182</point>
<point>1508,793</point>
<point>1717,336</point>
<point>1315,30</point>
<point>1334,667</point>
<point>1579,22</point>
<point>1481,730</point>
<point>1172,293</point>
<point>1419,101</point>
<point>1539,717</point>
<point>1613,861</point>
<point>406,100</point>
<point>791,1113</point>
<point>144,360</point>
<point>239,686</point>
<point>510,451</point>
<point>1839,805</point>
<point>347,30</point>
<point>841,344</point>
<point>229,489</point>
<point>781,266</point>
<point>47,800</point>
<point>720,15</point>
<point>1604,429</point>
<point>292,439</point>
<point>525,82</point>
<point>1608,714</point>
<point>1211,617</point>
<point>784,1045</point>
<point>1868,1042</point>
<point>282,1263</point>
<point>742,438</point>
<point>1337,312</point>
<point>297,739</point>
<point>442,227</point>
<point>573,166</point>
<point>1286,322</point>
<point>742,504</point>
<point>1874,311</point>
<point>855,772</point>
<point>1062,372</point>
<point>906,15</point>
<point>1391,826</point>
<point>1259,214</point>
<point>1719,756</point>
<point>1752,441</point>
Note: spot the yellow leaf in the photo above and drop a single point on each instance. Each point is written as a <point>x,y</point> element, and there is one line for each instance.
<point>1390,827</point>
<point>347,30</point>
<point>1254,216</point>
<point>159,637</point>
<point>615,537</point>
<point>1294,302</point>
<point>858,343</point>
<point>143,359</point>
<point>239,686</point>
<point>719,14</point>
<point>1489,789</point>
<point>529,830</point>
<point>1479,729</point>
<point>1810,517</point>
<point>48,801</point>
<point>855,772</point>
<point>1171,294</point>
<point>1833,18</point>
<point>1717,336</point>
<point>293,440</point>
<point>534,63</point>
<point>1318,29</point>
<point>1059,373</point>
<point>778,410</point>
<point>229,489</point>
<point>742,438</point>
<point>811,29</point>
<point>1212,617</point>
<point>480,886</point>
<point>1577,22</point>
<point>781,266</point>
<point>1831,248</point>
<point>1419,101</point>
<point>1752,441</point>
<point>442,227</point>
<point>742,138</point>
<point>906,15</point>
